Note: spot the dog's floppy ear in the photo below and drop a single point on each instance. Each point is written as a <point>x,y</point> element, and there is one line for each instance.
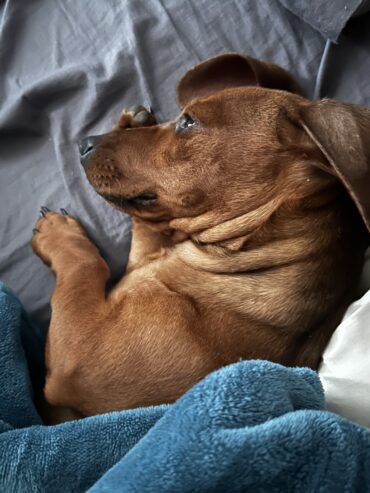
<point>232,70</point>
<point>342,133</point>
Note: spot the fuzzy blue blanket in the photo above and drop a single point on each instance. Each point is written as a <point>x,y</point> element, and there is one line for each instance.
<point>253,426</point>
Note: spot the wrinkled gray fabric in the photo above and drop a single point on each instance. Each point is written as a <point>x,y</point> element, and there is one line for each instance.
<point>347,69</point>
<point>67,68</point>
<point>328,16</point>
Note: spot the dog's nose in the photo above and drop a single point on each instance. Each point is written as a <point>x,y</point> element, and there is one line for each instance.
<point>87,146</point>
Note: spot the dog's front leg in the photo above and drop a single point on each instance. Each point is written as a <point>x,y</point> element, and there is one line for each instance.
<point>138,346</point>
<point>81,273</point>
<point>78,301</point>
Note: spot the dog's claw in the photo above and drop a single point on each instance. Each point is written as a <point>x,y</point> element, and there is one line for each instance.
<point>44,210</point>
<point>64,212</point>
<point>35,230</point>
<point>141,117</point>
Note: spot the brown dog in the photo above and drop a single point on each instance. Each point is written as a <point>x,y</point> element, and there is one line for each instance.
<point>247,239</point>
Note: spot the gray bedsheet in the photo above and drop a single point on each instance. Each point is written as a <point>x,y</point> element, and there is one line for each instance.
<point>68,67</point>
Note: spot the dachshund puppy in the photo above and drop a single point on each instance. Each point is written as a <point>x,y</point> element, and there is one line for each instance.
<point>250,217</point>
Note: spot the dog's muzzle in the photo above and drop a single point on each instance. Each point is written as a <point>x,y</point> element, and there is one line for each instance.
<point>87,147</point>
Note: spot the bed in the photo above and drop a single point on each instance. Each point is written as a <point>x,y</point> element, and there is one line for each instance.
<point>68,68</point>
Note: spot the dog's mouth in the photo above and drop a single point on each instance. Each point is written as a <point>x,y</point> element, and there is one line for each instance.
<point>143,199</point>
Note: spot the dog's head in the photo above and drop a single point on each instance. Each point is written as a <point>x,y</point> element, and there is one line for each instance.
<point>243,138</point>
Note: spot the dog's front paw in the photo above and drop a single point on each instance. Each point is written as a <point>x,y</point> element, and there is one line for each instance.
<point>58,236</point>
<point>136,116</point>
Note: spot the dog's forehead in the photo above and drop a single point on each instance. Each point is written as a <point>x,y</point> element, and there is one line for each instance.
<point>253,100</point>
<point>254,108</point>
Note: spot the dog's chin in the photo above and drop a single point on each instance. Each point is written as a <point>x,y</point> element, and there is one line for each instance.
<point>142,200</point>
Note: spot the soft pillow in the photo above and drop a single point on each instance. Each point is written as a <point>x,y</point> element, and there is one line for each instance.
<point>345,370</point>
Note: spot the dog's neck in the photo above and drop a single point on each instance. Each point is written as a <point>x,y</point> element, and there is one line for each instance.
<point>229,232</point>
<point>228,229</point>
<point>227,242</point>
<point>266,237</point>
<point>151,240</point>
<point>214,227</point>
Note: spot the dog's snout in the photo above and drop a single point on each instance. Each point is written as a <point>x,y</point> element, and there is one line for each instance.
<point>87,146</point>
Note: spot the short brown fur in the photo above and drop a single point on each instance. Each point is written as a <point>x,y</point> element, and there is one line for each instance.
<point>252,249</point>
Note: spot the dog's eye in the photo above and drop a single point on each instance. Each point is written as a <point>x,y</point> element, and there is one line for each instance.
<point>185,122</point>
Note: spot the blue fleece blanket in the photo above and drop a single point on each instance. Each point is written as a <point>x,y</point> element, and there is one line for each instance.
<point>253,426</point>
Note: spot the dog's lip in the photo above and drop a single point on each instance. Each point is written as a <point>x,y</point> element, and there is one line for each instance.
<point>143,199</point>
<point>86,156</point>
